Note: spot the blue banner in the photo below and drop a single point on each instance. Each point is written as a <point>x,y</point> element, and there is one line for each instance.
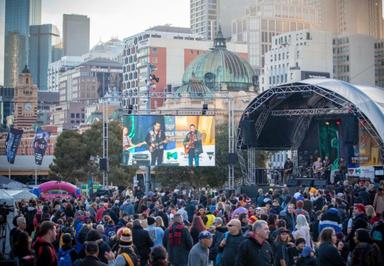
<point>40,144</point>
<point>12,143</point>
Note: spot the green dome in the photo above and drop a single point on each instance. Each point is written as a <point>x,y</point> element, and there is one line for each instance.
<point>194,89</point>
<point>219,67</point>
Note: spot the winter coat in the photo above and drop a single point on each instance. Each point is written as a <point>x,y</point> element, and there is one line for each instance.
<point>231,249</point>
<point>252,253</point>
<point>327,255</point>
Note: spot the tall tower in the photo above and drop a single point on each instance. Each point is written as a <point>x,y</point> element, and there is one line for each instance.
<point>42,42</point>
<point>18,16</point>
<point>75,35</point>
<point>25,101</point>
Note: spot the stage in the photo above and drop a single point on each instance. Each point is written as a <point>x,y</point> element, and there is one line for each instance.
<point>314,118</point>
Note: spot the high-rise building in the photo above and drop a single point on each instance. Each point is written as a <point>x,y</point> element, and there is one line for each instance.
<point>354,59</point>
<point>76,34</point>
<point>379,64</point>
<point>206,15</point>
<point>43,44</point>
<point>351,17</point>
<point>2,26</point>
<point>295,56</point>
<point>170,50</point>
<point>267,18</point>
<point>35,12</point>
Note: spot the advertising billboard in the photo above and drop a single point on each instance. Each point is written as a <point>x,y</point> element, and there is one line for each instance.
<point>161,140</point>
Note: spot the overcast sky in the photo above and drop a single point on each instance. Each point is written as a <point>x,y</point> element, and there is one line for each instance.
<point>118,18</point>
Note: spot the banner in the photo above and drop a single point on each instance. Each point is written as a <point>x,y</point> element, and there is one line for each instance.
<point>12,143</point>
<point>40,144</point>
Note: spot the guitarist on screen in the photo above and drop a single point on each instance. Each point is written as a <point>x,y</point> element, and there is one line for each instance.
<point>128,145</point>
<point>193,145</point>
<point>155,140</point>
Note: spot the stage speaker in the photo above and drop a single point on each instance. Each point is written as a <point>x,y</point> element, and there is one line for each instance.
<point>292,183</point>
<point>232,158</point>
<point>261,177</point>
<point>103,164</point>
<point>351,130</point>
<point>320,183</point>
<point>248,129</point>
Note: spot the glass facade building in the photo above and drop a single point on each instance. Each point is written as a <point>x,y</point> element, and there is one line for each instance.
<point>44,44</point>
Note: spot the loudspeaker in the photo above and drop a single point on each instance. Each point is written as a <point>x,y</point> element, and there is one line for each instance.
<point>292,183</point>
<point>103,164</point>
<point>248,130</point>
<point>261,177</point>
<point>320,183</point>
<point>351,130</point>
<point>205,109</point>
<point>232,158</point>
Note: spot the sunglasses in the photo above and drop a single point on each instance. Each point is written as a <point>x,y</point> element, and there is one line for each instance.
<point>230,225</point>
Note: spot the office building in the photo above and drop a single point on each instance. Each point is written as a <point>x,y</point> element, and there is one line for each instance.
<point>43,42</point>
<point>6,103</point>
<point>295,56</point>
<point>19,15</point>
<point>206,15</point>
<point>76,34</point>
<point>170,50</point>
<point>266,19</point>
<point>60,66</point>
<point>354,59</point>
<point>2,27</point>
<point>379,64</point>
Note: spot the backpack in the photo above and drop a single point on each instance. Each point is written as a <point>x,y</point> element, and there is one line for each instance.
<point>65,258</point>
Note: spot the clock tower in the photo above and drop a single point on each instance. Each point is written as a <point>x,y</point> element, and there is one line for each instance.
<point>25,101</point>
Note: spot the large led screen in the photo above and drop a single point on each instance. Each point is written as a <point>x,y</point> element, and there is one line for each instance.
<point>162,140</point>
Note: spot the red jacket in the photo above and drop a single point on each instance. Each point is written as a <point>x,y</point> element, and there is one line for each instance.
<point>45,253</point>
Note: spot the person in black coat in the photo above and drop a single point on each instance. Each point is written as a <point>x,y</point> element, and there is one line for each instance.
<point>327,254</point>
<point>231,243</point>
<point>91,256</point>
<point>255,249</point>
<point>142,242</point>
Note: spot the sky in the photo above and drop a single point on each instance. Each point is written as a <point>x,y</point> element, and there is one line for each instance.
<point>118,18</point>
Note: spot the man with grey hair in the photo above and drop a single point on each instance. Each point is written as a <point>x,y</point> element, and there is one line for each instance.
<point>256,250</point>
<point>178,241</point>
<point>21,224</point>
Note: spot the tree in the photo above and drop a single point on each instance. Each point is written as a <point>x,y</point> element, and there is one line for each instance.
<point>70,157</point>
<point>93,139</point>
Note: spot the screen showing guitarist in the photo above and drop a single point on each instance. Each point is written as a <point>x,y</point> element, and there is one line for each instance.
<point>128,145</point>
<point>317,168</point>
<point>155,140</point>
<point>193,145</point>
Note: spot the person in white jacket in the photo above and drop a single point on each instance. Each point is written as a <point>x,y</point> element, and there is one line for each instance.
<point>302,230</point>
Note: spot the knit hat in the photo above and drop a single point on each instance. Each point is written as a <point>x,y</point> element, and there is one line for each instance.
<point>151,220</point>
<point>306,251</point>
<point>360,207</point>
<point>252,219</point>
<point>126,237</point>
<point>204,235</point>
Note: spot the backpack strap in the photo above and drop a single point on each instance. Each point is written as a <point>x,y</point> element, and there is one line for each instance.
<point>128,259</point>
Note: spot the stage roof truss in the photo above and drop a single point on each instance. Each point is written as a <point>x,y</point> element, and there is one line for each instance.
<point>310,111</point>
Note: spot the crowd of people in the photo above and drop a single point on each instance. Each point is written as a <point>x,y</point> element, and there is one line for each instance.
<point>339,225</point>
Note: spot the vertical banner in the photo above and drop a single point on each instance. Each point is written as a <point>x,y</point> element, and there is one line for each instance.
<point>12,143</point>
<point>40,144</point>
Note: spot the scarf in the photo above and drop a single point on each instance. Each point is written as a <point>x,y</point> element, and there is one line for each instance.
<point>175,234</point>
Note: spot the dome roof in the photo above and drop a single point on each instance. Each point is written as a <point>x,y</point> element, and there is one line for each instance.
<point>219,67</point>
<point>194,89</point>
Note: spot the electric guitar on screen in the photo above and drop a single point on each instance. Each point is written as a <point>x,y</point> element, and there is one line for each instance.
<point>131,147</point>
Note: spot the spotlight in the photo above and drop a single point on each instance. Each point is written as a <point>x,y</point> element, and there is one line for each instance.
<point>338,122</point>
<point>327,123</point>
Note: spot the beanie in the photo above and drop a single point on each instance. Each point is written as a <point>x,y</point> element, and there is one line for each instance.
<point>299,204</point>
<point>150,220</point>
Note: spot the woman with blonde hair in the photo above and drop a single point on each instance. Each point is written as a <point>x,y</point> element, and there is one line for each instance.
<point>159,222</point>
<point>302,230</point>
